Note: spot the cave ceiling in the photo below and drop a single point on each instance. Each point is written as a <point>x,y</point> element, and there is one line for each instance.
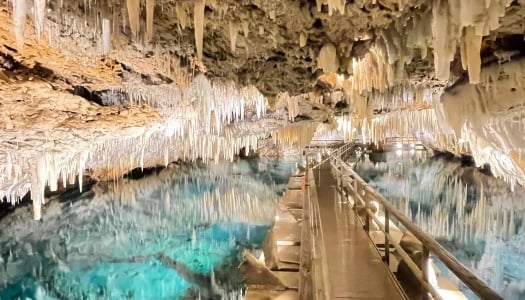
<point>273,45</point>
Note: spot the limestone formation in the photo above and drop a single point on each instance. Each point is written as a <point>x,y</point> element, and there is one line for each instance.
<point>80,80</point>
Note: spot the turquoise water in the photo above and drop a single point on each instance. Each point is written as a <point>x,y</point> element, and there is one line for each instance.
<point>475,216</point>
<point>175,235</point>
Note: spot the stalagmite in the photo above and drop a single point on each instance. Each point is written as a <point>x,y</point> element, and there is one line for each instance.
<point>328,60</point>
<point>150,10</point>
<point>198,23</point>
<point>19,21</point>
<point>134,16</point>
<point>106,37</point>
<point>40,15</point>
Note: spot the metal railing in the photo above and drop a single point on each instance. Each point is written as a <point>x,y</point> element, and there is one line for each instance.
<point>362,192</point>
<point>337,153</point>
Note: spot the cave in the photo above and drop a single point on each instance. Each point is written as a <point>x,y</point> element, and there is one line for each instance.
<point>156,149</point>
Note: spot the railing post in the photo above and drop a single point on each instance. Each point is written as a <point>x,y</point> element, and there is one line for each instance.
<point>424,271</point>
<point>387,242</point>
<point>367,216</point>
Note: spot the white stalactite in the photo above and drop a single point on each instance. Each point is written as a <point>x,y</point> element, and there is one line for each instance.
<point>134,16</point>
<point>450,19</point>
<point>150,11</point>
<point>106,37</point>
<point>328,60</point>
<point>302,39</point>
<point>40,15</point>
<point>472,43</point>
<point>182,16</point>
<point>234,31</point>
<point>19,21</point>
<point>198,25</point>
<point>204,121</point>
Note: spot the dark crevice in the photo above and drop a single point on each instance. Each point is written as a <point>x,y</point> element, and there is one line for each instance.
<point>164,78</point>
<point>318,24</point>
<point>341,105</point>
<point>86,94</point>
<point>7,208</point>
<point>302,118</point>
<point>139,173</point>
<point>9,63</point>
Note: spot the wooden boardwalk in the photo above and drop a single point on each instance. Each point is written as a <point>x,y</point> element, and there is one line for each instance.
<point>280,275</point>
<point>355,269</point>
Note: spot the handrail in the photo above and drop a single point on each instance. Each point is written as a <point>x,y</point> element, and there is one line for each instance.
<point>337,152</point>
<point>429,244</point>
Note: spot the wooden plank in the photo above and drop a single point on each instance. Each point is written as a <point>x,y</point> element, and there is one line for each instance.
<point>293,199</point>
<point>285,266</point>
<point>295,183</point>
<point>289,254</point>
<point>284,214</point>
<point>259,294</point>
<point>287,232</point>
<point>289,279</point>
<point>297,213</point>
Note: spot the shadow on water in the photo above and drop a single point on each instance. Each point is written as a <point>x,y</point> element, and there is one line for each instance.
<point>474,215</point>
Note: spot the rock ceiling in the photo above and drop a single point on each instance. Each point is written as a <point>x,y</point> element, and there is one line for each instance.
<point>80,77</point>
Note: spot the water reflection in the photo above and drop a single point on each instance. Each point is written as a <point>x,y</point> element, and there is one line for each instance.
<point>475,216</point>
<point>175,235</point>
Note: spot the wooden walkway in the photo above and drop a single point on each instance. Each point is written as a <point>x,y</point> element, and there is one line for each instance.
<point>280,274</point>
<point>355,269</point>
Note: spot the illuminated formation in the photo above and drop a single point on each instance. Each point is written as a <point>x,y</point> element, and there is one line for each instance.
<point>298,136</point>
<point>463,24</point>
<point>394,61</point>
<point>197,122</point>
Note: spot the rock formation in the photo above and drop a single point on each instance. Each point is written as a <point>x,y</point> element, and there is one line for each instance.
<point>107,86</point>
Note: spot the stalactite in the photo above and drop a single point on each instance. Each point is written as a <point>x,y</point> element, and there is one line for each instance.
<point>106,37</point>
<point>198,23</point>
<point>19,21</point>
<point>295,136</point>
<point>472,43</point>
<point>302,39</point>
<point>40,15</point>
<point>245,28</point>
<point>449,20</point>
<point>328,60</point>
<point>234,30</point>
<point>229,115</point>
<point>182,16</point>
<point>150,11</point>
<point>134,16</point>
<point>336,5</point>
